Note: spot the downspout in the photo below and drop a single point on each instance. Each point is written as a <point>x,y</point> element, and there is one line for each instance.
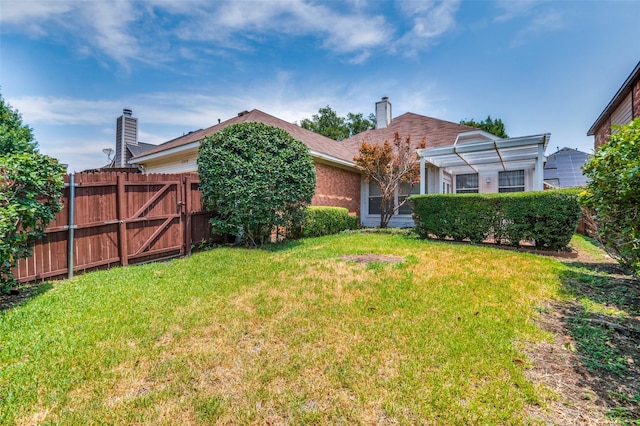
<point>72,226</point>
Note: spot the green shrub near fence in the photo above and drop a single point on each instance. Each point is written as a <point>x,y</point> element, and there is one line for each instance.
<point>324,220</point>
<point>547,218</point>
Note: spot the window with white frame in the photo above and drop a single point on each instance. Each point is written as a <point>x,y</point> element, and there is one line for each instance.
<point>511,181</point>
<point>375,198</point>
<point>467,184</point>
<point>405,190</point>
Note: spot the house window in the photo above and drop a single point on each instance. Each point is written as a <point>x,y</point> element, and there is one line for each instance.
<point>405,191</point>
<point>511,181</point>
<point>375,197</point>
<point>467,184</point>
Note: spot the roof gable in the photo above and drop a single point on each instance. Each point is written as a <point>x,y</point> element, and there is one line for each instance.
<point>318,145</point>
<point>620,95</point>
<point>436,132</point>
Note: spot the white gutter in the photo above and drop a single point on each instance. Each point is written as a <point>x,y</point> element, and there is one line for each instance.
<point>332,159</point>
<point>141,159</point>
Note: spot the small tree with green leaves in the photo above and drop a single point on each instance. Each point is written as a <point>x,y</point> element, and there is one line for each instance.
<point>31,186</point>
<point>389,165</point>
<point>613,193</point>
<point>495,127</point>
<point>255,177</point>
<point>30,190</point>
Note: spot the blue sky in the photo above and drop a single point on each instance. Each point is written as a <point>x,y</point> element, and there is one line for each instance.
<point>70,67</point>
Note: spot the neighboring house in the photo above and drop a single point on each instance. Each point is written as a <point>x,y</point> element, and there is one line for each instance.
<point>458,159</point>
<point>621,110</point>
<point>563,169</point>
<point>127,144</point>
<point>337,179</point>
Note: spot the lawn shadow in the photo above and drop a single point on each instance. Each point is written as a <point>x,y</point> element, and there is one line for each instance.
<point>280,246</point>
<point>603,324</point>
<point>603,283</point>
<point>23,294</point>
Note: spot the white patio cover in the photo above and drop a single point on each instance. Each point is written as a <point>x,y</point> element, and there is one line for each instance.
<point>525,152</point>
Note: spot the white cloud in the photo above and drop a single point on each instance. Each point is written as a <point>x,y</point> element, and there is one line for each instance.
<point>236,23</point>
<point>109,29</point>
<point>64,111</point>
<point>21,12</point>
<point>540,24</point>
<point>431,20</point>
<point>154,31</point>
<point>511,9</point>
<point>537,18</point>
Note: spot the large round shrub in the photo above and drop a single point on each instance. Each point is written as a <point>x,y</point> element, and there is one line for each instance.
<point>255,177</point>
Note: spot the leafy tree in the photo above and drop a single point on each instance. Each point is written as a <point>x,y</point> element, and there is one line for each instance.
<point>495,127</point>
<point>389,165</point>
<point>255,177</point>
<point>15,137</point>
<point>613,193</point>
<point>329,124</point>
<point>31,186</point>
<point>356,123</point>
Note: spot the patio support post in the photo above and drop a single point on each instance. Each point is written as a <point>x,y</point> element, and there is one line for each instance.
<point>423,176</point>
<point>440,181</point>
<point>539,175</point>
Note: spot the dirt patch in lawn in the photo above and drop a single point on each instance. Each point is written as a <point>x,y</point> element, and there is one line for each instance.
<point>371,258</point>
<point>593,362</point>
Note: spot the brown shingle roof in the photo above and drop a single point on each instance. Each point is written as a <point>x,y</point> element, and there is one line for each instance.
<point>315,142</point>
<point>437,132</point>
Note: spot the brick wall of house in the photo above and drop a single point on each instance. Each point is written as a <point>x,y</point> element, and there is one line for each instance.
<point>603,133</point>
<point>337,187</point>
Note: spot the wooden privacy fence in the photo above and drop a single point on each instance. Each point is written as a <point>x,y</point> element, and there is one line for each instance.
<point>114,218</point>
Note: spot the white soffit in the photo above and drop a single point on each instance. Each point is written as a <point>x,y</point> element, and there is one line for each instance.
<point>500,154</point>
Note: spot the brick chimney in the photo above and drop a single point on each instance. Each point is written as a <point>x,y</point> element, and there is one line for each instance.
<point>383,113</point>
<point>126,133</point>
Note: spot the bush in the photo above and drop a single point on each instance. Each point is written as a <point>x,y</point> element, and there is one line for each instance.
<point>323,220</point>
<point>548,218</point>
<point>31,186</point>
<point>613,194</point>
<point>255,177</point>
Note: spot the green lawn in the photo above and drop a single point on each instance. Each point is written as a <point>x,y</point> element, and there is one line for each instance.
<point>291,335</point>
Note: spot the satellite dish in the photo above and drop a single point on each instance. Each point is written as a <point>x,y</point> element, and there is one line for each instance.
<point>109,152</point>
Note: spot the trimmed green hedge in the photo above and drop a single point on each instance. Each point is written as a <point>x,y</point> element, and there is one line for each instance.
<point>324,220</point>
<point>549,218</point>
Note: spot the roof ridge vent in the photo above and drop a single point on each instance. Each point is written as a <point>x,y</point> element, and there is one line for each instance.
<point>240,114</point>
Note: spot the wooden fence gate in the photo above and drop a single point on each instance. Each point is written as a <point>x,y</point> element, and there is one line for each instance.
<point>118,219</point>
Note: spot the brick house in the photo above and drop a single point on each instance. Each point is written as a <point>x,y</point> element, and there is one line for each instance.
<point>456,159</point>
<point>337,179</point>
<point>621,110</point>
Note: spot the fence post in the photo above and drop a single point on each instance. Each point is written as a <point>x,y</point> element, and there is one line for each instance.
<point>72,224</point>
<point>187,213</point>
<point>121,200</point>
